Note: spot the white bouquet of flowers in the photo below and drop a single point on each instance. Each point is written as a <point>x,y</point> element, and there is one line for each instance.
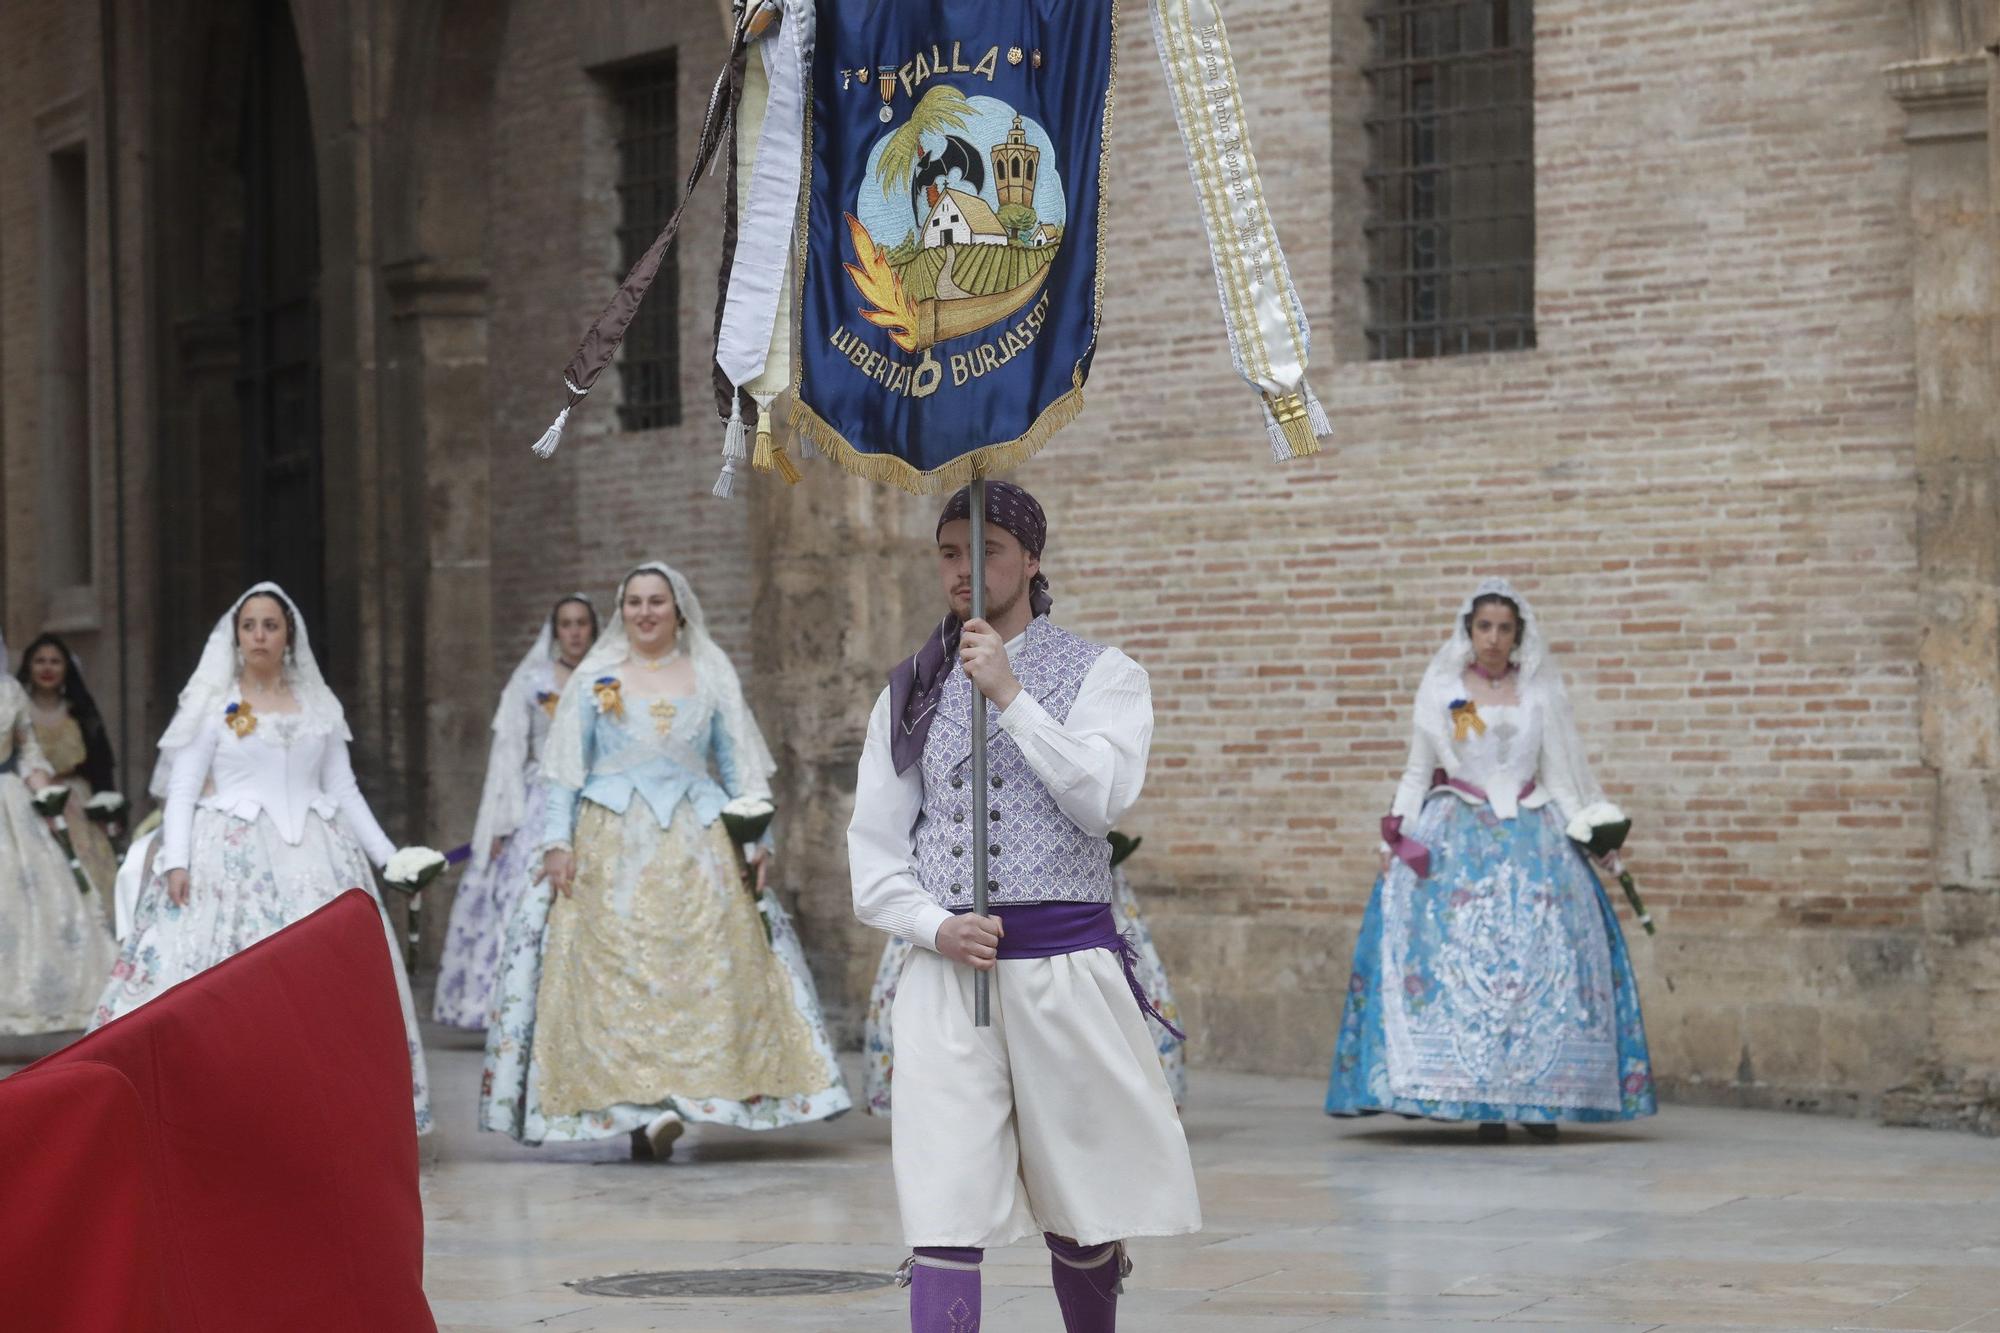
<point>747,818</point>
<point>106,807</point>
<point>411,868</point>
<point>408,871</point>
<point>1601,829</point>
<point>50,803</point>
<point>51,800</point>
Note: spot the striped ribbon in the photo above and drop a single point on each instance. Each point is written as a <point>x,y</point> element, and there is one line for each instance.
<point>1268,336</point>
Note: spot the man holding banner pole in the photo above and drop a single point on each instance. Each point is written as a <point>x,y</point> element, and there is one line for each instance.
<point>1055,1117</point>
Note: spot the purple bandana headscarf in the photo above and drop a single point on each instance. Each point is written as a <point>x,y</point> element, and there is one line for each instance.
<point>918,681</point>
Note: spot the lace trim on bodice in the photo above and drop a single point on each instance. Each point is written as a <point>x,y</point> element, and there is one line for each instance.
<point>1504,758</point>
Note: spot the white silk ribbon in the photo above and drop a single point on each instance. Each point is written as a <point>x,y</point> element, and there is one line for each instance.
<point>768,212</point>
<point>1268,335</point>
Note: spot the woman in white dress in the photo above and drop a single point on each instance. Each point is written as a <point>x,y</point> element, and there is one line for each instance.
<point>55,943</point>
<point>643,985</point>
<point>264,822</point>
<point>504,859</point>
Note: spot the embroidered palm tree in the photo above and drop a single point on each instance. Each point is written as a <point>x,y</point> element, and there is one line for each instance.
<point>941,109</point>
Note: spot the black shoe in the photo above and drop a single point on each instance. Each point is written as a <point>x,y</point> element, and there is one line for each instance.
<point>642,1147</point>
<point>1493,1132</point>
<point>1545,1132</point>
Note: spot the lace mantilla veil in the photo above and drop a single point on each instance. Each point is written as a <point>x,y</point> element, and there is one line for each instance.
<point>1540,681</point>
<point>214,680</point>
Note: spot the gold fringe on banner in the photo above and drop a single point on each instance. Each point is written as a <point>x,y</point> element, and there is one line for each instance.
<point>988,461</point>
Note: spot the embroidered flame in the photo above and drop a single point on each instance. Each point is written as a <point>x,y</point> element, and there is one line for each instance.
<point>882,288</point>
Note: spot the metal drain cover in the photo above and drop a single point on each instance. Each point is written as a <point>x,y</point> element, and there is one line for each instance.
<point>734,1282</point>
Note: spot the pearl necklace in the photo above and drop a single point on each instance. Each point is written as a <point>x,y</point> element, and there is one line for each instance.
<point>655,663</point>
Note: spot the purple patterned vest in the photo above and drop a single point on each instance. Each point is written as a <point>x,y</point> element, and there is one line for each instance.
<point>1037,854</point>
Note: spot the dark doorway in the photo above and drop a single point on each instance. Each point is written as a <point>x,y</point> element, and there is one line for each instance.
<point>277,385</point>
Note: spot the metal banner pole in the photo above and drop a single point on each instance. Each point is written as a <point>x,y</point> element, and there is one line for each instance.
<point>982,982</point>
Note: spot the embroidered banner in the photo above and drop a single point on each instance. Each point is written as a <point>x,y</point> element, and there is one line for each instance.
<point>950,288</point>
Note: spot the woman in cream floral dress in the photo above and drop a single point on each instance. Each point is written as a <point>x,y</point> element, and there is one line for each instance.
<point>55,945</point>
<point>78,749</point>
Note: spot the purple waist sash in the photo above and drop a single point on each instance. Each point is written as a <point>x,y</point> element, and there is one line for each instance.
<point>1045,930</point>
<point>1442,779</point>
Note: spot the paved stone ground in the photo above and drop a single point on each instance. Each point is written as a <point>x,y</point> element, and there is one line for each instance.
<point>1697,1220</point>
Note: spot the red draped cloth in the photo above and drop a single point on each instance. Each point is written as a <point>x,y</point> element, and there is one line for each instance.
<point>237,1156</point>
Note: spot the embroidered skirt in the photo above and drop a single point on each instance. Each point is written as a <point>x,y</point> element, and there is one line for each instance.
<point>246,882</point>
<point>655,988</point>
<point>1499,989</point>
<point>469,968</point>
<point>55,940</point>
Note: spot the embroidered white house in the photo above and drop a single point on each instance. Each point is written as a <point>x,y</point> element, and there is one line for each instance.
<point>959,218</point>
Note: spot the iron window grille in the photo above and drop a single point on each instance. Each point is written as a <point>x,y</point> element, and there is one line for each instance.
<point>648,186</point>
<point>1450,178</point>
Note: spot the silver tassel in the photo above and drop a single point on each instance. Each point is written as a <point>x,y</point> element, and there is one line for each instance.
<point>552,437</point>
<point>733,437</point>
<point>1316,414</point>
<point>733,449</point>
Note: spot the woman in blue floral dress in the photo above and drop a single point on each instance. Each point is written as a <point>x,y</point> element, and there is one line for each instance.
<point>1491,981</point>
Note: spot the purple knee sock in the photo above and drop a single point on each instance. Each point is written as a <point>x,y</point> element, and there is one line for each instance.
<point>944,1290</point>
<point>1088,1279</point>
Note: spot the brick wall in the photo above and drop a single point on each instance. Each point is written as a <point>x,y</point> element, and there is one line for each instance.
<point>609,498</point>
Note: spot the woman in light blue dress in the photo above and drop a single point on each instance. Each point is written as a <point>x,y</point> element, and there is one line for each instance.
<point>1491,982</point>
<point>644,984</point>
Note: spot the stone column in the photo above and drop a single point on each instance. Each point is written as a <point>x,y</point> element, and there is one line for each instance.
<point>1957,431</point>
<point>844,589</point>
<point>438,311</point>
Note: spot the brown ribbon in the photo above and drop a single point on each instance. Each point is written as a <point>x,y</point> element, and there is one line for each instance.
<point>601,339</point>
<point>724,390</point>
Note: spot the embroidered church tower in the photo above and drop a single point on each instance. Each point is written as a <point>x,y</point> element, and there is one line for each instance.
<point>1014,164</point>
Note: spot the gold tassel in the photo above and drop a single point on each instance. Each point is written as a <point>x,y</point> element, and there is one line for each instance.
<point>763,458</point>
<point>786,467</point>
<point>1295,421</point>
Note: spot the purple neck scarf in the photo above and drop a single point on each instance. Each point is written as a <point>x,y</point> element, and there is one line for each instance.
<point>917,683</point>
